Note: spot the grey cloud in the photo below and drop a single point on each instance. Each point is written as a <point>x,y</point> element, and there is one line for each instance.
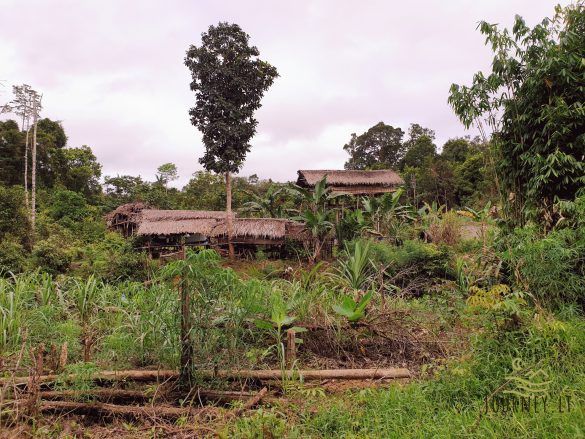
<point>113,72</point>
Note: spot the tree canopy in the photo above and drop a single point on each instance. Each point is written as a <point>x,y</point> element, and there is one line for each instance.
<point>229,80</point>
<point>533,100</point>
<point>379,147</point>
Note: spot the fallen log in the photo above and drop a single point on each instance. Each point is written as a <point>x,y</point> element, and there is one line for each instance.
<point>160,375</point>
<point>100,393</point>
<point>101,408</point>
<point>312,375</point>
<point>108,375</point>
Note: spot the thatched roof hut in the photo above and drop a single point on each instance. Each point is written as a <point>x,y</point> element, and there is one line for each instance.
<point>353,182</point>
<point>169,230</point>
<point>260,230</point>
<point>138,219</point>
<point>124,218</point>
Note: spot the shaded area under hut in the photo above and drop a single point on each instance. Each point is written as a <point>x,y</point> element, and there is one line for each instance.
<point>353,182</point>
<point>272,233</point>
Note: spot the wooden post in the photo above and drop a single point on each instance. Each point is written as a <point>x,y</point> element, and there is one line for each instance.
<point>291,348</point>
<point>186,345</point>
<point>228,212</point>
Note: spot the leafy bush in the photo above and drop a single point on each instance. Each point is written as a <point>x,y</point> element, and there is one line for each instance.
<point>413,264</point>
<point>355,269</point>
<point>111,259</point>
<point>551,268</point>
<point>68,206</point>
<point>446,230</point>
<point>51,256</point>
<point>12,255</point>
<point>13,215</point>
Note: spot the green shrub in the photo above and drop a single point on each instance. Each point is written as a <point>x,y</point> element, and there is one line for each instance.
<point>51,256</point>
<point>111,259</point>
<point>12,255</point>
<point>14,218</point>
<point>413,261</point>
<point>551,267</point>
<point>68,206</point>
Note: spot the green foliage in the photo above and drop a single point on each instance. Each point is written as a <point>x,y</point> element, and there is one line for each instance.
<point>13,215</point>
<point>270,204</point>
<point>68,206</point>
<point>11,153</point>
<point>533,101</point>
<point>419,147</point>
<point>229,81</point>
<point>77,170</point>
<point>112,259</point>
<point>412,266</point>
<point>124,188</point>
<point>77,377</point>
<point>316,215</point>
<point>352,310</point>
<point>355,268</point>
<point>378,148</point>
<point>50,256</point>
<point>551,268</point>
<point>12,255</point>
<point>166,173</point>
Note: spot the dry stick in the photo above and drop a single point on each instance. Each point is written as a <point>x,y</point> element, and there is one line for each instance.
<point>228,396</point>
<point>34,384</point>
<point>249,404</point>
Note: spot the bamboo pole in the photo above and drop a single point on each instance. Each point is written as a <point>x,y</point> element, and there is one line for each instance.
<point>275,374</point>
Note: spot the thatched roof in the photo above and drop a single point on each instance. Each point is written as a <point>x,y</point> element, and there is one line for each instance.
<point>260,228</point>
<point>177,222</point>
<point>176,215</point>
<point>384,178</point>
<point>127,211</point>
<point>155,222</point>
<point>139,219</point>
<point>187,226</point>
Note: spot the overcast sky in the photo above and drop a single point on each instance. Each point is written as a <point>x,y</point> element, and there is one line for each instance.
<point>113,73</point>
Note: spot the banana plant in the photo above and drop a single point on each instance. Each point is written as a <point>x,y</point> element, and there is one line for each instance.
<point>279,320</point>
<point>316,215</point>
<point>270,203</point>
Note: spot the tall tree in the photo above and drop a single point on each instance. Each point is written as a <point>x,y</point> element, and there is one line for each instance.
<point>23,106</point>
<point>419,147</point>
<point>77,169</point>
<point>166,173</point>
<point>37,107</point>
<point>379,147</point>
<point>229,81</point>
<point>533,102</point>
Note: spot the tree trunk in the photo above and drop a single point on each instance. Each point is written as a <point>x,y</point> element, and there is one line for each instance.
<point>33,216</point>
<point>26,165</point>
<point>228,211</point>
